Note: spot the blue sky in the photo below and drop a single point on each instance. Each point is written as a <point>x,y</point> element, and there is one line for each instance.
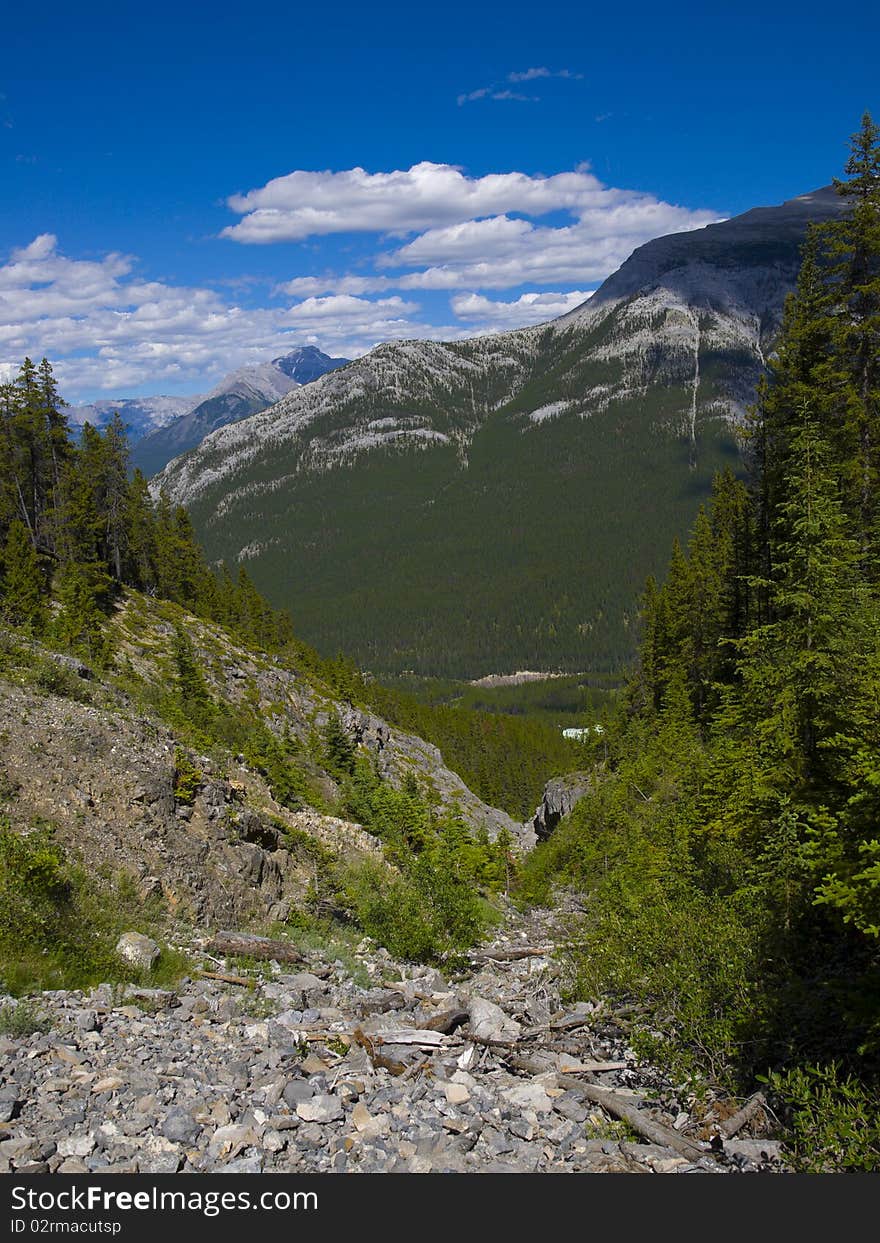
<point>189,188</point>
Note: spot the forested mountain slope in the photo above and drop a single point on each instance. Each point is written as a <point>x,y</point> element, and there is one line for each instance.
<point>497,503</point>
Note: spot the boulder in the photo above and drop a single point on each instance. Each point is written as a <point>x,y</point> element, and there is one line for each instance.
<point>142,952</point>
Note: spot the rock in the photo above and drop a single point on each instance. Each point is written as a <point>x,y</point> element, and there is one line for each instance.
<point>571,1107</point>
<point>313,1065</point>
<point>86,1020</point>
<point>457,1093</point>
<point>496,1141</point>
<point>76,1145</point>
<point>110,1083</point>
<point>529,1096</point>
<point>73,1165</point>
<point>142,952</point>
<point>160,1163</point>
<point>180,1127</point>
<point>296,1091</point>
<point>72,665</point>
<point>368,1125</point>
<point>561,795</point>
<point>489,1022</point>
<point>244,1165</point>
<point>8,1102</point>
<point>322,1109</point>
<point>757,1150</point>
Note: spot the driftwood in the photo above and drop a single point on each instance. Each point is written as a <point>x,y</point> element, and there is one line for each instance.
<point>651,1130</point>
<point>512,955</point>
<point>753,1106</point>
<point>243,945</point>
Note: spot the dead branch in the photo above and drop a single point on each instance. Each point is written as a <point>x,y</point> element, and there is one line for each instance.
<point>742,1117</point>
<point>644,1125</point>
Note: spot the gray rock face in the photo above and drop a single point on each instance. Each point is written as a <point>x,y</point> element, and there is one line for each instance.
<point>142,952</point>
<point>561,794</point>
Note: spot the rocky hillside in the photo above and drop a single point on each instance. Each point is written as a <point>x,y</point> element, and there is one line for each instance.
<point>510,493</point>
<point>125,792</point>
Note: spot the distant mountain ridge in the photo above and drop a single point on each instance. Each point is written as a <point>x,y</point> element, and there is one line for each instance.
<point>498,502</point>
<point>141,415</point>
<point>160,428</point>
<point>243,392</point>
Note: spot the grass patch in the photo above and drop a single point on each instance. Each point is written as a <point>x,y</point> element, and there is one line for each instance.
<point>59,923</point>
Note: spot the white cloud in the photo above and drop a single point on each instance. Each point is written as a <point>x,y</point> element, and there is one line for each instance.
<point>529,75</point>
<point>309,204</point>
<point>466,235</point>
<point>305,286</point>
<point>105,330</point>
<point>529,308</point>
<point>502,253</point>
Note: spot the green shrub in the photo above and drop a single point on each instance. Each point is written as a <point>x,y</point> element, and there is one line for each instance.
<point>422,914</point>
<point>23,1018</point>
<point>187,778</point>
<point>54,679</point>
<point>832,1119</point>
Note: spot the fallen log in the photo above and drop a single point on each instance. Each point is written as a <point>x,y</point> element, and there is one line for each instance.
<point>421,1036</point>
<point>592,1068</point>
<point>511,955</point>
<point>243,980</point>
<point>735,1123</point>
<point>644,1125</point>
<point>243,945</point>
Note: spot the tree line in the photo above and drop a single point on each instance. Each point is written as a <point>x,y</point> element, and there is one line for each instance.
<point>76,526</point>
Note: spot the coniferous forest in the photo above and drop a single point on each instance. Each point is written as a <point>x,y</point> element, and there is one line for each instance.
<point>730,847</point>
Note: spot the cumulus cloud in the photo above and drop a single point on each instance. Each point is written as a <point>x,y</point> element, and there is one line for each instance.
<point>466,233</point>
<point>311,204</point>
<point>106,330</point>
<point>493,315</point>
<point>502,251</point>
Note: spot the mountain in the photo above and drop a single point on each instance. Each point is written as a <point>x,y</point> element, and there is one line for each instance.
<point>498,503</point>
<point>243,392</point>
<point>142,415</point>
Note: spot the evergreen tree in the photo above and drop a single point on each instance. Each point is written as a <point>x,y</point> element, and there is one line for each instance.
<point>853,248</point>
